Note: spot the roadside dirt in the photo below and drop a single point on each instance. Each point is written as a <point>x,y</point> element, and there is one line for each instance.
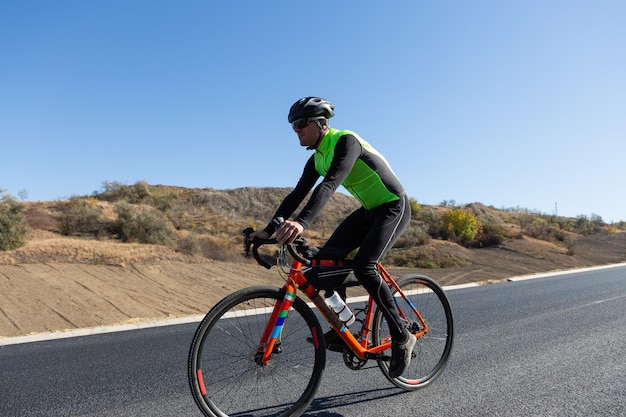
<point>57,296</point>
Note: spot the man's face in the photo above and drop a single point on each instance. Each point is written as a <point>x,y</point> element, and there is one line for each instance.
<point>309,134</point>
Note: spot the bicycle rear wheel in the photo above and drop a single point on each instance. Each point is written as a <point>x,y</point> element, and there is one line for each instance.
<point>432,350</point>
<point>224,376</point>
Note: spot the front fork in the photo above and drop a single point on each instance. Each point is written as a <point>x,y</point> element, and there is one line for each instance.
<point>270,340</point>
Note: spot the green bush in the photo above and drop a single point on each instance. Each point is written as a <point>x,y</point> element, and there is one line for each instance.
<point>461,225</point>
<point>80,216</point>
<point>588,225</point>
<point>416,208</point>
<point>13,226</point>
<point>413,236</point>
<point>143,224</point>
<point>432,223</point>
<point>139,193</point>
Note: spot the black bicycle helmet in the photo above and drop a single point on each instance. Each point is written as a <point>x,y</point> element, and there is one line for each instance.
<point>310,107</point>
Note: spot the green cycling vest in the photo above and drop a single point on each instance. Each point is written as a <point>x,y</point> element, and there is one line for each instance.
<point>363,182</point>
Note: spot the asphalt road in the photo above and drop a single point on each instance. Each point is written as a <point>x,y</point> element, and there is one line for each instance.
<point>545,347</point>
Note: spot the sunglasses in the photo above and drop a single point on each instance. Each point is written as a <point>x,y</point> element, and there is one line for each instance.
<point>300,123</point>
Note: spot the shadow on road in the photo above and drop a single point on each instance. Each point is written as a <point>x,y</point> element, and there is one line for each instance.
<point>319,406</point>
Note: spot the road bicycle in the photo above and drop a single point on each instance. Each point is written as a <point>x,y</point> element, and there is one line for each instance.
<point>260,351</point>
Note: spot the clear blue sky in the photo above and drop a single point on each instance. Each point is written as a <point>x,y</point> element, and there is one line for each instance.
<point>507,103</point>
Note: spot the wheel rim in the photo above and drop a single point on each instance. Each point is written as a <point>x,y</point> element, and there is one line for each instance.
<point>226,377</point>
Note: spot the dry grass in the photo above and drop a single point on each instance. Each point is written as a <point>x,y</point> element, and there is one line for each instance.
<point>208,225</point>
<point>48,247</point>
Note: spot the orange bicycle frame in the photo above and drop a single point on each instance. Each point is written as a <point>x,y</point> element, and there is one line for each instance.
<point>280,313</point>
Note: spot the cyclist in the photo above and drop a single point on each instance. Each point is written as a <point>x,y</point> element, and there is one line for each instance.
<point>341,157</point>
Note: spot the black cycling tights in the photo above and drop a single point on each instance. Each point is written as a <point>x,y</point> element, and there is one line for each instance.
<point>374,232</point>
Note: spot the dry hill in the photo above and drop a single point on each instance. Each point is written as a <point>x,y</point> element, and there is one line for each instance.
<point>83,267</point>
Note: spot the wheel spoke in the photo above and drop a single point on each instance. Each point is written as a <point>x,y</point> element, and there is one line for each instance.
<point>225,348</point>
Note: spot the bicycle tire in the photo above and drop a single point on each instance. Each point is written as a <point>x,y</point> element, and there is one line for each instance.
<point>222,369</point>
<point>432,350</point>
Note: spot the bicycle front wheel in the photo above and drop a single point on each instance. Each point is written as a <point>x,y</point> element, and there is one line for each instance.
<point>225,375</point>
<point>432,350</point>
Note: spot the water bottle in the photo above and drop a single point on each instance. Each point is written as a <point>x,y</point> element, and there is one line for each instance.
<point>340,307</point>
